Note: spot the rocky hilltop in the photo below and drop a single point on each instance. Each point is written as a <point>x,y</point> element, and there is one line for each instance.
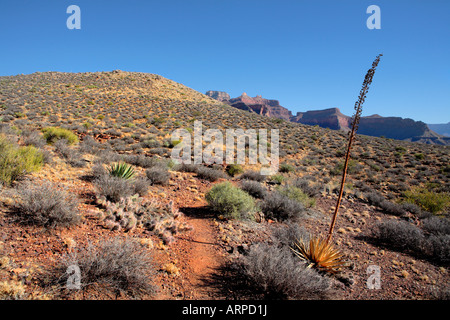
<point>375,125</point>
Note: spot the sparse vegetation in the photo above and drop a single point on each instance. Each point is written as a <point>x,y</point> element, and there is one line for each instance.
<point>126,118</point>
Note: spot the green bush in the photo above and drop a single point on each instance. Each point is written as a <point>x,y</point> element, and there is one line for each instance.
<point>277,179</point>
<point>234,169</point>
<point>17,161</point>
<point>52,134</point>
<point>284,167</point>
<point>428,200</point>
<point>298,195</point>
<point>230,201</point>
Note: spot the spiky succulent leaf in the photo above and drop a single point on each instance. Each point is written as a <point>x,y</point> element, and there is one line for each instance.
<point>122,170</point>
<point>320,254</point>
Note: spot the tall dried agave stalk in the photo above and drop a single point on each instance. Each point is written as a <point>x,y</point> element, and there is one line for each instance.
<point>320,252</point>
<point>355,123</point>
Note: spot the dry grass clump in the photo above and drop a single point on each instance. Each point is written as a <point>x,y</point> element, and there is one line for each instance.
<point>431,242</point>
<point>47,205</point>
<point>111,266</point>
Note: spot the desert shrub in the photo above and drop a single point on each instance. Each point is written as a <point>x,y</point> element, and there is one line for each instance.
<point>254,188</point>
<point>47,205</point>
<point>140,186</point>
<point>151,143</point>
<point>438,247</point>
<point>98,170</point>
<point>379,201</point>
<point>280,207</point>
<point>158,175</point>
<point>33,138</point>
<point>277,274</point>
<point>408,237</point>
<point>210,174</point>
<point>436,225</point>
<point>433,245</point>
<point>352,167</point>
<point>306,186</point>
<point>159,151</point>
<point>52,134</point>
<point>297,194</point>
<point>284,167</point>
<point>90,145</point>
<point>142,161</point>
<point>187,167</point>
<point>17,161</point>
<point>252,175</point>
<point>277,179</point>
<point>288,233</point>
<point>113,265</point>
<point>419,156</point>
<point>234,169</point>
<point>428,200</point>
<point>113,188</point>
<point>72,156</point>
<point>400,234</point>
<point>230,201</point>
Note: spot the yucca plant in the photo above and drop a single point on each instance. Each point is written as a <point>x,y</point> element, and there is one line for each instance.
<point>122,170</point>
<point>355,123</point>
<point>319,254</point>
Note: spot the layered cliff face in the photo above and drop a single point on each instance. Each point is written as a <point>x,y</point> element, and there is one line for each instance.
<point>218,95</point>
<point>259,105</point>
<point>374,125</point>
<point>328,118</point>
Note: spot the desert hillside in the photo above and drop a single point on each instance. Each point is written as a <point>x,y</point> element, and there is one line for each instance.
<point>86,180</point>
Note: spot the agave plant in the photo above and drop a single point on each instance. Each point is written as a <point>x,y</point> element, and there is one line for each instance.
<point>319,254</point>
<point>122,170</point>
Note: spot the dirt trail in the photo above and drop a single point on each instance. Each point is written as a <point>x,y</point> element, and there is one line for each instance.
<point>198,254</point>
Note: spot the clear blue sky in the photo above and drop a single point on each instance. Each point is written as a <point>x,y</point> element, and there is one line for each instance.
<point>308,54</point>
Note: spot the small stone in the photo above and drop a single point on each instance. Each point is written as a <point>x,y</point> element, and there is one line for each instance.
<point>405,274</point>
<point>171,269</point>
<point>424,278</point>
<point>342,230</point>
